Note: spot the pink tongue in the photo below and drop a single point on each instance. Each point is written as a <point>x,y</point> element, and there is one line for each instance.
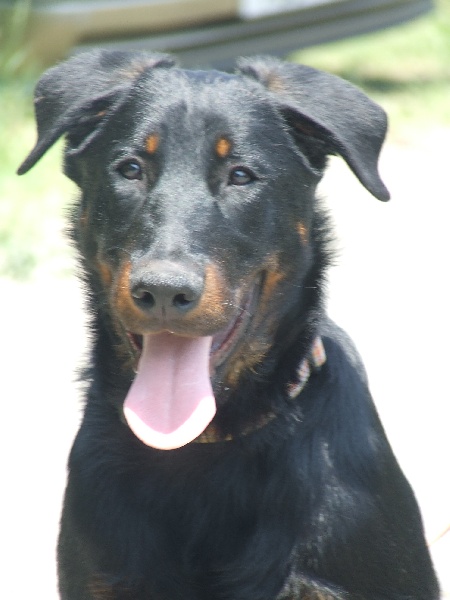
<point>171,401</point>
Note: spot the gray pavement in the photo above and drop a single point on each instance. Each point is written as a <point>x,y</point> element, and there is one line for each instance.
<point>390,291</point>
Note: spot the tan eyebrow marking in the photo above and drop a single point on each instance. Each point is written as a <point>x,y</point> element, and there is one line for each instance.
<point>152,143</point>
<point>223,147</point>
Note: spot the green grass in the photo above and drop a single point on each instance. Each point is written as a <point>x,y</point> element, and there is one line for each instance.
<point>13,27</point>
<point>406,69</point>
<point>32,206</point>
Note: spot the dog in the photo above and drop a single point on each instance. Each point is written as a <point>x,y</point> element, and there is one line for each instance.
<point>229,448</point>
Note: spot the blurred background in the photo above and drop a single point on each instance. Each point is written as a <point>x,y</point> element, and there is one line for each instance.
<point>390,287</point>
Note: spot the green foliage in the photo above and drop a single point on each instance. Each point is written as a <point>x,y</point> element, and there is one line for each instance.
<point>406,68</point>
<point>31,207</point>
<point>14,56</point>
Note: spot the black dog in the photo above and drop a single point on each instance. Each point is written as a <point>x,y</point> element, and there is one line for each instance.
<point>245,459</point>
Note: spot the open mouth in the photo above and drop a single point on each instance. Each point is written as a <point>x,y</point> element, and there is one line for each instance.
<point>171,400</point>
<point>226,340</point>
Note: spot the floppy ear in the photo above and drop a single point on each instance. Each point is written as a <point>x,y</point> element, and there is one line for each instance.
<point>79,95</point>
<point>327,115</point>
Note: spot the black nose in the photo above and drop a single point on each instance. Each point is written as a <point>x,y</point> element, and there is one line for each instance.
<point>166,289</point>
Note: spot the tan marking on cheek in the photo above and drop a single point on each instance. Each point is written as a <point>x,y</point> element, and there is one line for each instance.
<point>152,143</point>
<point>223,147</point>
<point>123,301</point>
<point>271,282</point>
<point>250,354</point>
<point>105,273</point>
<point>212,303</point>
<point>303,233</point>
<point>253,351</point>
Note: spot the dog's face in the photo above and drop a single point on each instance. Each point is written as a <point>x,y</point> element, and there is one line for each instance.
<point>197,203</point>
<point>194,223</point>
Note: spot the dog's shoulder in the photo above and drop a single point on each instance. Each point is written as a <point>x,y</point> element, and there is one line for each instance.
<point>341,349</point>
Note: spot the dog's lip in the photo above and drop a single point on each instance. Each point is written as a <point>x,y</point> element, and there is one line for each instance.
<point>136,340</point>
<point>225,340</point>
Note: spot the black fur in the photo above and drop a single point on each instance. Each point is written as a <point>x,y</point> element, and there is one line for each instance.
<point>309,504</point>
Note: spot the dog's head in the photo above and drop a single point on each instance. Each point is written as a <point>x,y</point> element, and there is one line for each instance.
<point>197,206</point>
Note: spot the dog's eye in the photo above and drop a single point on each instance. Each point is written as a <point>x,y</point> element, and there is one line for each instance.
<point>130,170</point>
<point>240,176</point>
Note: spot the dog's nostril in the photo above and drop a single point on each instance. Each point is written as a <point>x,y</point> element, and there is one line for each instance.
<point>144,297</point>
<point>165,289</point>
<point>181,301</point>
<point>165,298</point>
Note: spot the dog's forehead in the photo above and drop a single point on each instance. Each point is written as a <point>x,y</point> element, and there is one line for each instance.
<point>199,105</point>
<point>200,92</point>
<point>197,79</point>
<point>207,77</point>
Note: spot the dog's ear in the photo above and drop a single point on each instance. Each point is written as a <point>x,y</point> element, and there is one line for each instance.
<point>77,96</point>
<point>327,115</point>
